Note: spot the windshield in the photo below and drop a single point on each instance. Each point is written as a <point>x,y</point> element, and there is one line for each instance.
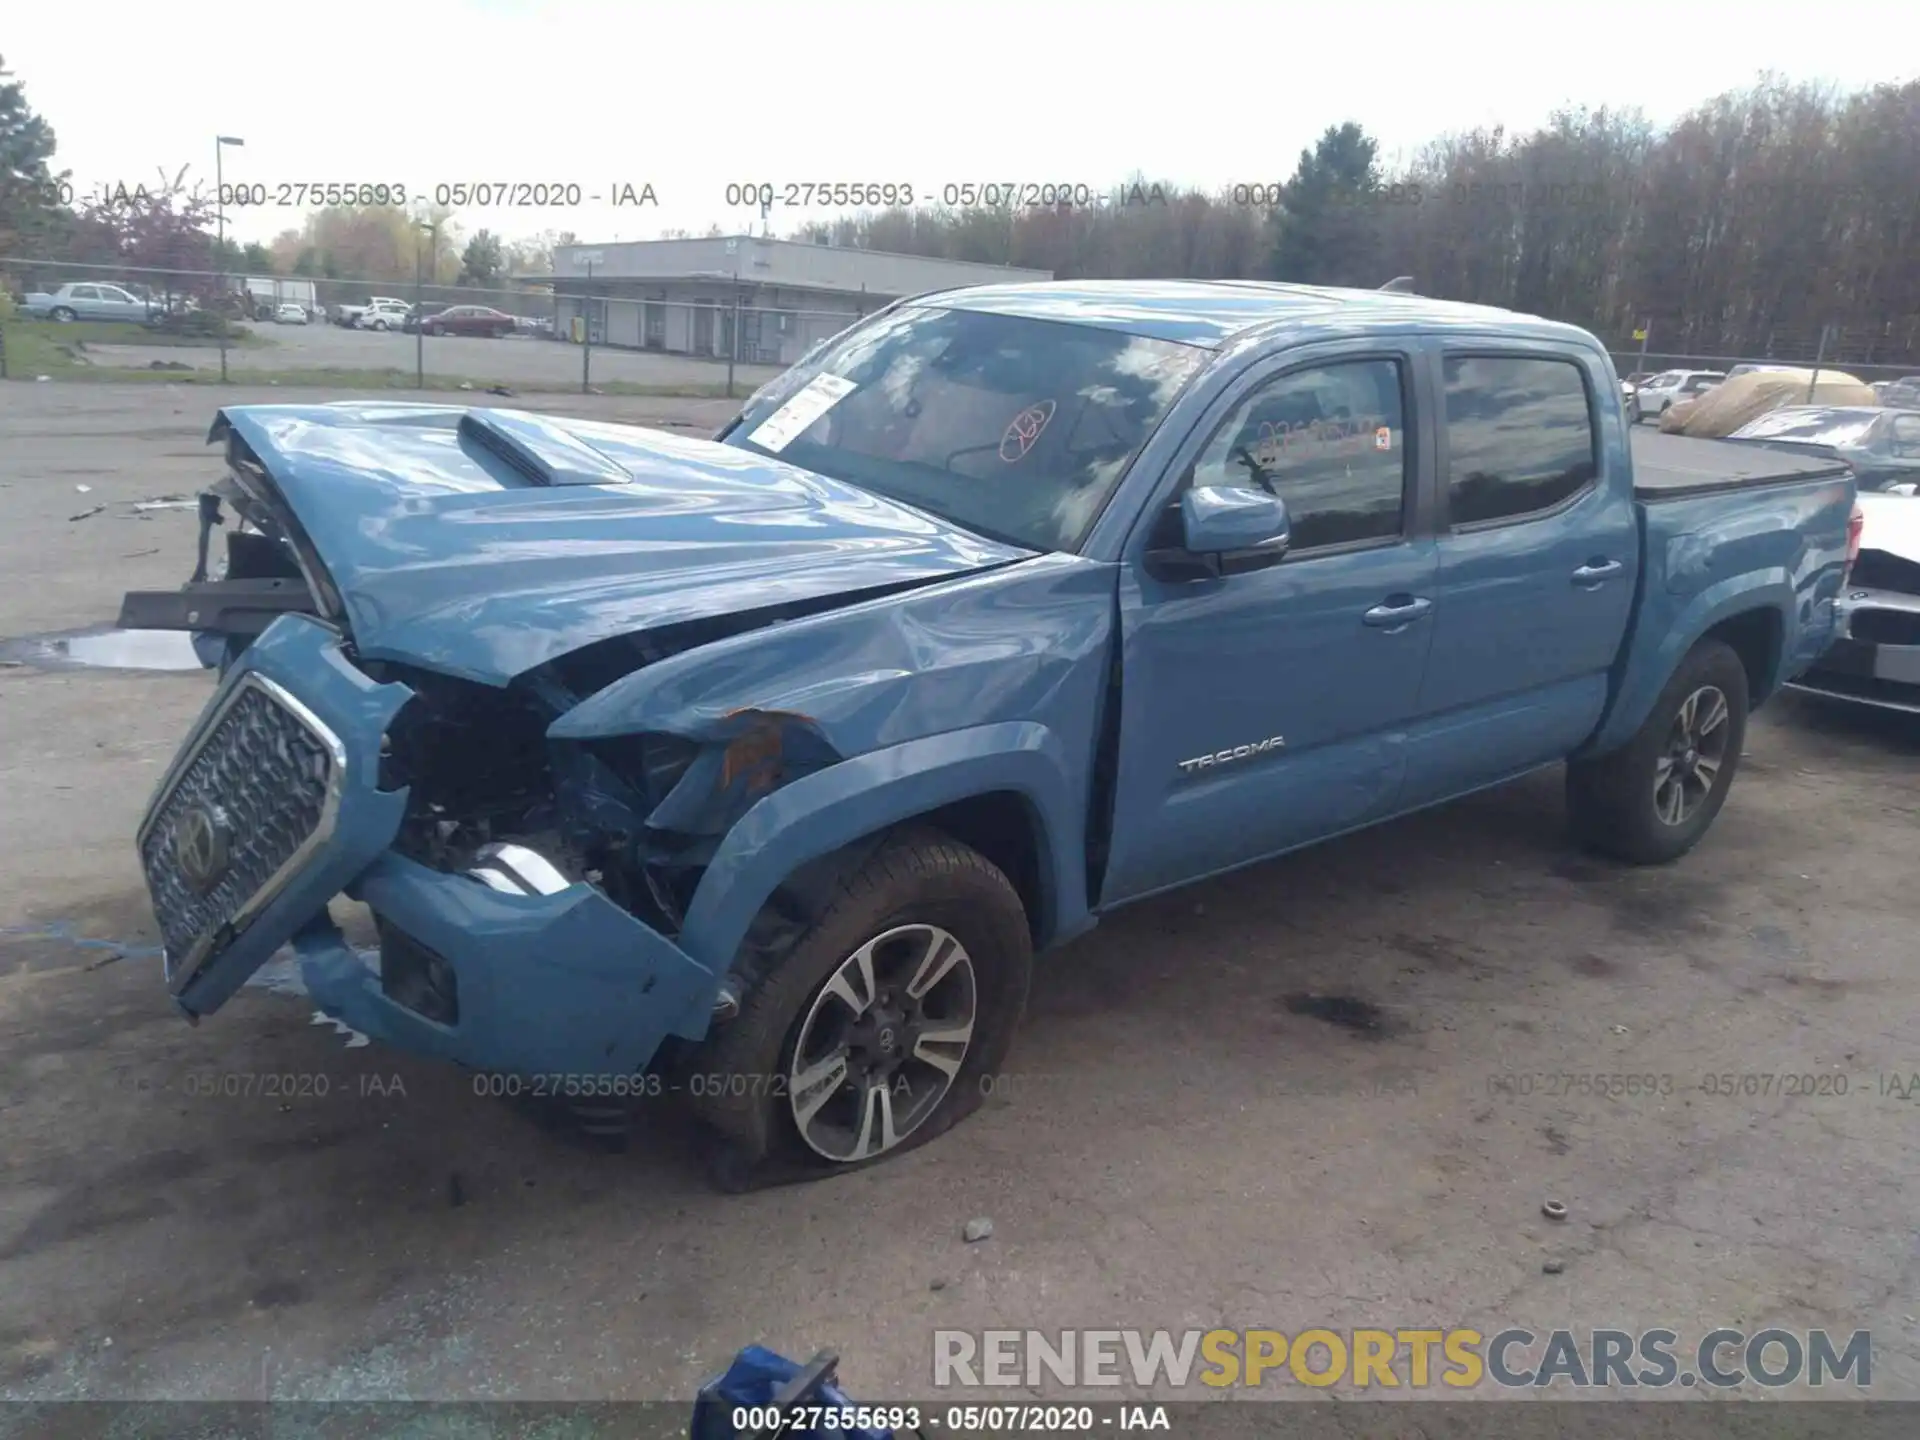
<point>1017,429</point>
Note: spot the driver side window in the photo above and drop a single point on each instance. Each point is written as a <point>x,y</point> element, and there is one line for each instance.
<point>1330,441</point>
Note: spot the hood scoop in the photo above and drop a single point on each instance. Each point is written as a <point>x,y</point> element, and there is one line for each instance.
<point>544,453</point>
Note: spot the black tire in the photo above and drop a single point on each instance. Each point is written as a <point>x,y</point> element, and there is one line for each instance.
<point>1621,804</point>
<point>62,314</point>
<point>740,1080</point>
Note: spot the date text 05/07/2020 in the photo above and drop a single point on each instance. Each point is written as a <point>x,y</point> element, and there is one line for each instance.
<point>953,194</point>
<point>480,194</point>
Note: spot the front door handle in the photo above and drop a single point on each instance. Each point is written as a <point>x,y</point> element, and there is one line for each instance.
<point>1399,612</point>
<point>1596,572</point>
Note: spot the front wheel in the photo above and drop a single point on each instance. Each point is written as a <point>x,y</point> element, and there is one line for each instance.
<point>1650,801</point>
<point>881,1029</point>
<point>62,314</point>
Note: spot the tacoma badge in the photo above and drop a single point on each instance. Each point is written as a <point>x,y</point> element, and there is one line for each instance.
<point>1238,752</point>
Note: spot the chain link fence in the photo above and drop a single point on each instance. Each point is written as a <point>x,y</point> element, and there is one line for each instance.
<point>628,331</point>
<point>1887,351</point>
<point>621,337</point>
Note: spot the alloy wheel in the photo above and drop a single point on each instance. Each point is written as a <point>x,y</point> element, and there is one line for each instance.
<point>1696,749</point>
<point>879,1047</point>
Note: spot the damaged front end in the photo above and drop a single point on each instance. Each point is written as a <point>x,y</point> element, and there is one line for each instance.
<point>411,601</point>
<point>527,892</point>
<point>493,796</point>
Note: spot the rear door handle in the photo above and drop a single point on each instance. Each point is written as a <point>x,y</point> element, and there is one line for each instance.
<point>1401,612</point>
<point>1597,572</point>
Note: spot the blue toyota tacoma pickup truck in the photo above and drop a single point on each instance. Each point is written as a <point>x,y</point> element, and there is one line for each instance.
<point>760,767</point>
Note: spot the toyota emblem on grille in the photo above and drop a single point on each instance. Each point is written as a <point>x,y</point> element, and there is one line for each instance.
<point>202,842</point>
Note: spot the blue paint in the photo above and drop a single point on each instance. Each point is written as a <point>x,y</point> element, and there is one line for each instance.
<point>447,555</point>
<point>567,983</point>
<point>1077,689</point>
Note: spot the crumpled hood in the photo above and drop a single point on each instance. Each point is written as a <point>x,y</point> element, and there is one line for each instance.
<point>483,542</point>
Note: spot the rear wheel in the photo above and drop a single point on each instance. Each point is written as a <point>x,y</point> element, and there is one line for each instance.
<point>877,1030</point>
<point>1650,801</point>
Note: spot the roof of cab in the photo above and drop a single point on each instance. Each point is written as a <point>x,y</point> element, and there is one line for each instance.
<point>1208,313</point>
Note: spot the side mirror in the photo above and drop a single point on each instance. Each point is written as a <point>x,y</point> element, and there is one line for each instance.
<point>1219,520</point>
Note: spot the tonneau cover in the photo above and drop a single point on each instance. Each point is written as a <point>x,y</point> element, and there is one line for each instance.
<point>1666,467</point>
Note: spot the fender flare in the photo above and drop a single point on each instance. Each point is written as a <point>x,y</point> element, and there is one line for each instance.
<point>1642,682</point>
<point>843,803</point>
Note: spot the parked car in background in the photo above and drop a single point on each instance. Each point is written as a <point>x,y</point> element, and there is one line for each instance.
<point>1903,393</point>
<point>290,313</point>
<point>1880,445</point>
<point>1670,387</point>
<point>384,314</point>
<point>1876,659</point>
<point>1630,399</point>
<point>771,758</point>
<point>469,320</point>
<point>90,300</point>
<point>350,316</point>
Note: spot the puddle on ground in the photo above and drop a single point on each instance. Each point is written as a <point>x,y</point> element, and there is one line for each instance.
<point>104,648</point>
<point>1362,1017</point>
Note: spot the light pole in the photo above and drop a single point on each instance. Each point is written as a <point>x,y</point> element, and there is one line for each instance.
<point>220,143</point>
<point>587,258</point>
<point>733,348</point>
<point>419,315</point>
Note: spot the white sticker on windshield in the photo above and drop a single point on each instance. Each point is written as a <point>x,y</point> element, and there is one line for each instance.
<point>792,419</point>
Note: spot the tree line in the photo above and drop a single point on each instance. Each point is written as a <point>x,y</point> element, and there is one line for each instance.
<point>1743,228</point>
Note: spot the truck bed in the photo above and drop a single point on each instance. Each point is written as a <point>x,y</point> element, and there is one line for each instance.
<point>1669,467</point>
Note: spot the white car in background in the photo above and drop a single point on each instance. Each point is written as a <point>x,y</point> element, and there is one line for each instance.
<point>385,315</point>
<point>290,314</point>
<point>1660,394</point>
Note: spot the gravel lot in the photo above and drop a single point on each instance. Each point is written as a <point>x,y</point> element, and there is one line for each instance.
<point>515,359</point>
<point>1177,1146</point>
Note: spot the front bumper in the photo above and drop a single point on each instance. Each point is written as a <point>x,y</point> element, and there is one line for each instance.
<point>564,983</point>
<point>1876,660</point>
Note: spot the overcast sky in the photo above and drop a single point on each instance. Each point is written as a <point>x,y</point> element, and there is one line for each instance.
<point>690,96</point>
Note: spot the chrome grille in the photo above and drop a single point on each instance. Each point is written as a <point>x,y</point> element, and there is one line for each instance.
<point>264,774</point>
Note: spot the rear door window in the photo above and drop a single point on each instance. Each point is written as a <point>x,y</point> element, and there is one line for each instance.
<point>1520,436</point>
